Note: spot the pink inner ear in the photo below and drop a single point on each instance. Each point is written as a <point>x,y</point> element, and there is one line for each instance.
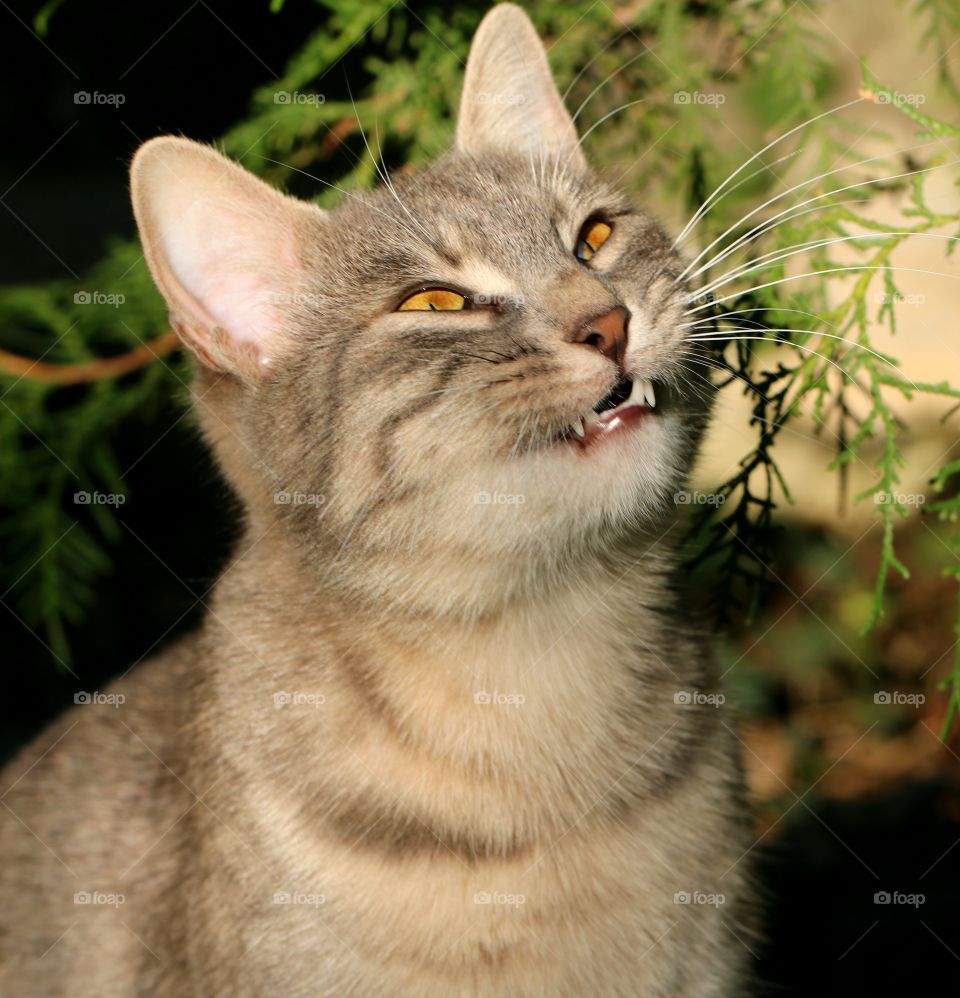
<point>238,268</point>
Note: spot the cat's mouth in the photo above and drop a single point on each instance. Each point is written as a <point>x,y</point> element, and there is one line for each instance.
<point>630,401</point>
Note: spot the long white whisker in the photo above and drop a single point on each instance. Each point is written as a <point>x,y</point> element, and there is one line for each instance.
<point>789,343</point>
<point>346,193</point>
<point>767,226</point>
<point>701,211</point>
<point>771,259</point>
<point>819,273</point>
<point>819,197</point>
<point>721,335</point>
<point>766,308</point>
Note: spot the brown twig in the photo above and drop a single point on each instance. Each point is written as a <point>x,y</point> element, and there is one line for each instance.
<point>92,370</point>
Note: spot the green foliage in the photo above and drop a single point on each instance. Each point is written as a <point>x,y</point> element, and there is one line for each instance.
<point>681,95</point>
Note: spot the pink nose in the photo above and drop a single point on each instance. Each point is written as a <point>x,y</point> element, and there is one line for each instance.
<point>607,333</point>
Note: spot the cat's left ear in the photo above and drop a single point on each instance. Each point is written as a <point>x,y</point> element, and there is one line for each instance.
<point>510,102</point>
<point>224,248</point>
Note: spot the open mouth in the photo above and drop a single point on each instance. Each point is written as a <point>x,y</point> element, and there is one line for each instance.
<point>623,407</point>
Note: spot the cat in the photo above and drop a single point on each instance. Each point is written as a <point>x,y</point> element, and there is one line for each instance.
<point>449,726</point>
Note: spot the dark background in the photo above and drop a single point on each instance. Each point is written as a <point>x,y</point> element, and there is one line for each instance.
<point>67,165</point>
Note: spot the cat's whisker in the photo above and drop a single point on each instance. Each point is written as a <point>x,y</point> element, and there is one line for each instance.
<point>819,197</point>
<point>715,196</point>
<point>772,258</point>
<point>768,225</point>
<point>791,343</point>
<point>346,193</point>
<point>764,308</point>
<point>819,273</point>
<point>382,172</point>
<point>703,337</point>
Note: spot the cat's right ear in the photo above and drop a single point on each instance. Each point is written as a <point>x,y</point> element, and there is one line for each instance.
<point>224,249</point>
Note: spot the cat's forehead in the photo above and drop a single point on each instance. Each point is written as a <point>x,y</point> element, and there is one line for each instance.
<point>511,209</point>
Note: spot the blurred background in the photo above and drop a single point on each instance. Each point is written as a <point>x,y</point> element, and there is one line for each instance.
<point>855,791</point>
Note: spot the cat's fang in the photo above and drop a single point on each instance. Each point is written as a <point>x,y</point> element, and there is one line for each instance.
<point>577,427</point>
<point>642,393</point>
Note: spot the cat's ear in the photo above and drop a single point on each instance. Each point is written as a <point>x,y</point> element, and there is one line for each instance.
<point>510,102</point>
<point>223,248</point>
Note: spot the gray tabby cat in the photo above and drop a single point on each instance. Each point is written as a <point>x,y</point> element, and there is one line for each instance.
<point>442,732</point>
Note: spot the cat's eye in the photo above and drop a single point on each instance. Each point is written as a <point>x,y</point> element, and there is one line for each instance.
<point>434,300</point>
<point>592,236</point>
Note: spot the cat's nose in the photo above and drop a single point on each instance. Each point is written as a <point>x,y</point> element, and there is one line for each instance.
<point>607,333</point>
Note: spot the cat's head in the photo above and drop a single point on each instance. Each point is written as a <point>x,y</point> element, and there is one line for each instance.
<point>486,358</point>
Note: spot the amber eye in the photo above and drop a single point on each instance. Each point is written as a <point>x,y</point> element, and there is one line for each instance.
<point>434,300</point>
<point>592,236</point>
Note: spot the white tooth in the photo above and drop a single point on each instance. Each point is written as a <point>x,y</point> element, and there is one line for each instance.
<point>577,426</point>
<point>637,393</point>
<point>648,394</point>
